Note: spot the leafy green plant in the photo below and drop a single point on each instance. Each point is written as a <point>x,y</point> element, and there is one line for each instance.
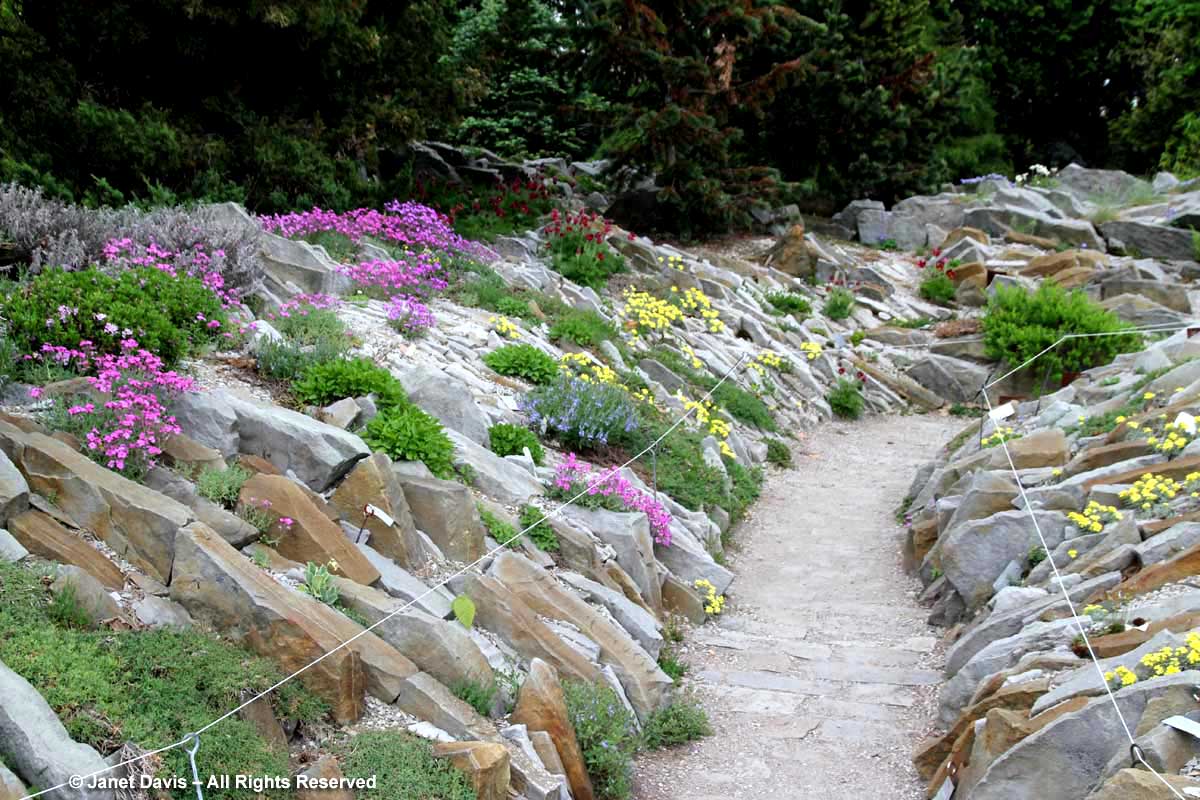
<point>476,695</point>
<point>578,250</point>
<point>937,288</point>
<point>963,410</point>
<point>318,583</point>
<point>406,433</point>
<point>790,303</point>
<point>584,328</point>
<point>670,663</point>
<point>311,327</point>
<point>606,732</point>
<point>1037,555</point>
<point>222,486</point>
<point>464,610</point>
<point>846,399</point>
<point>541,533</point>
<point>286,360</point>
<point>746,487</point>
<point>679,722</point>
<point>503,532</point>
<point>1195,245</point>
<point>65,609</point>
<point>403,766</point>
<point>523,361</point>
<point>857,338</point>
<point>64,308</point>
<point>327,382</point>
<point>1020,325</point>
<point>508,440</point>
<point>839,303</point>
<point>778,453</point>
<point>744,406</point>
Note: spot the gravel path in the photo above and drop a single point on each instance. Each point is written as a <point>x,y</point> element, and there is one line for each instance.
<point>821,675</point>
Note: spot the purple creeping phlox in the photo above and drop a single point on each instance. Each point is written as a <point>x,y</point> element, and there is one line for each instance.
<point>573,476</point>
<point>196,262</point>
<point>125,432</point>
<point>304,304</point>
<point>409,315</point>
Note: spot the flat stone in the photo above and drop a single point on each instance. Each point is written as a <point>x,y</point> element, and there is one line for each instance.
<point>44,537</point>
<point>89,594</point>
<point>486,765</point>
<point>14,491</point>
<point>372,482</point>
<point>10,549</point>
<point>542,707</point>
<point>447,513</point>
<point>400,583</point>
<point>159,612</point>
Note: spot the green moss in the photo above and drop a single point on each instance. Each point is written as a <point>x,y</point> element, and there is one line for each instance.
<point>404,767</point>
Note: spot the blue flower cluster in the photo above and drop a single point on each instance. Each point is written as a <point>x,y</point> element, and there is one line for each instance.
<point>581,412</point>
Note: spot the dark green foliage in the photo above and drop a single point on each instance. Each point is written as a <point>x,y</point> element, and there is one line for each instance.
<point>790,303</point>
<point>541,533</point>
<point>670,663</point>
<point>960,410</point>
<point>937,288</point>
<point>778,453</point>
<point>406,433</point>
<point>582,328</point>
<point>523,361</point>
<point>286,360</point>
<point>579,250</point>
<point>1020,325</point>
<point>846,399</point>
<point>485,211</point>
<point>479,697</point>
<point>508,440</point>
<point>160,310</point>
<point>112,686</point>
<point>325,383</point>
<point>607,736</point>
<point>679,722</point>
<point>838,304</point>
<point>222,486</point>
<point>404,767</point>
<point>744,406</point>
<point>316,326</point>
<point>83,115</point>
<point>747,486</point>
<point>503,532</point>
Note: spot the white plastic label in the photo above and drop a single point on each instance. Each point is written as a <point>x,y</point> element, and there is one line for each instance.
<point>946,792</point>
<point>382,515</point>
<point>1002,412</point>
<point>1181,723</point>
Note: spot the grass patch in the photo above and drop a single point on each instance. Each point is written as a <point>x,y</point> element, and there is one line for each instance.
<point>778,453</point>
<point>222,486</point>
<point>670,663</point>
<point>503,532</point>
<point>678,723</point>
<point>789,303</point>
<point>476,695</point>
<point>846,399</point>
<point>839,304</point>
<point>145,686</point>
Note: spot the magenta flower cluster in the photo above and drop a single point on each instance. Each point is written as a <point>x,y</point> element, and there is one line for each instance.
<point>573,476</point>
<point>195,263</point>
<point>409,315</point>
<point>304,304</point>
<point>127,430</point>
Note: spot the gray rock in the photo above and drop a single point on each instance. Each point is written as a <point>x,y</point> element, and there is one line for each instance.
<point>318,454</point>
<point>89,594</point>
<point>658,372</point>
<point>1182,376</point>
<point>10,548</point>
<point>291,264</point>
<point>231,527</point>
<point>11,787</point>
<point>999,220</point>
<point>942,211</point>
<point>1172,541</point>
<point>951,378</point>
<point>976,553</point>
<point>341,414</point>
<point>637,621</point>
<point>1147,239</point>
<point>448,399</point>
<point>36,746</point>
<point>689,560</point>
<point>497,477</point>
<point>628,533</point>
<point>398,582</point>
<point>14,491</point>
<point>1067,758</point>
<point>159,612</point>
<point>446,512</point>
<point>1013,597</point>
<point>848,216</point>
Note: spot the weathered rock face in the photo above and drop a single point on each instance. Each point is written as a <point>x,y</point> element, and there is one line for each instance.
<point>446,512</point>
<point>318,454</point>
<point>1140,784</point>
<point>448,399</point>
<point>312,535</point>
<point>372,482</point>
<point>138,523</point>
<point>792,254</point>
<point>1064,760</point>
<point>36,745</point>
<point>998,220</point>
<point>218,585</point>
<point>232,528</point>
<point>629,535</point>
<point>14,491</point>
<point>645,684</point>
<point>541,707</point>
<point>636,620</point>
<point>1146,239</point>
<point>43,536</point>
<point>950,378</point>
<point>11,787</point>
<point>499,478</point>
<point>87,591</point>
<point>325,769</point>
<point>976,553</point>
<point>486,764</point>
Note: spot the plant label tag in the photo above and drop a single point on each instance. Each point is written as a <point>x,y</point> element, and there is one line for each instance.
<point>946,791</point>
<point>1182,723</point>
<point>1002,412</point>
<point>382,515</point>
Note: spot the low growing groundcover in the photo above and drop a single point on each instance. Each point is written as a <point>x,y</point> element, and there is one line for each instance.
<point>149,687</point>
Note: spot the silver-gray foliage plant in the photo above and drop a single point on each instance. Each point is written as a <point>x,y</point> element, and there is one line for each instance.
<point>47,232</point>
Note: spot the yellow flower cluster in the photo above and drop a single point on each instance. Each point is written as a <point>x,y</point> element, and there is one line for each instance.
<point>998,436</point>
<point>581,366</point>
<point>1173,438</point>
<point>644,395</point>
<point>1125,675</point>
<point>811,349</point>
<point>696,303</point>
<point>645,313</point>
<point>713,603</point>
<point>1094,516</point>
<point>706,416</point>
<point>691,354</point>
<point>1169,660</point>
<point>503,327</point>
<point>672,262</point>
<point>1151,489</point>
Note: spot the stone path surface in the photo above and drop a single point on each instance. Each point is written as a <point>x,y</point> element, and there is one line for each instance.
<point>821,675</point>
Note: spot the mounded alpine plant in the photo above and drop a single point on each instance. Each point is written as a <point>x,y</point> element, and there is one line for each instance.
<point>608,489</point>
<point>582,413</point>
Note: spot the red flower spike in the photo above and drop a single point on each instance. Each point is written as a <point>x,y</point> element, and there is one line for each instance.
<point>950,274</point>
<point>841,370</point>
